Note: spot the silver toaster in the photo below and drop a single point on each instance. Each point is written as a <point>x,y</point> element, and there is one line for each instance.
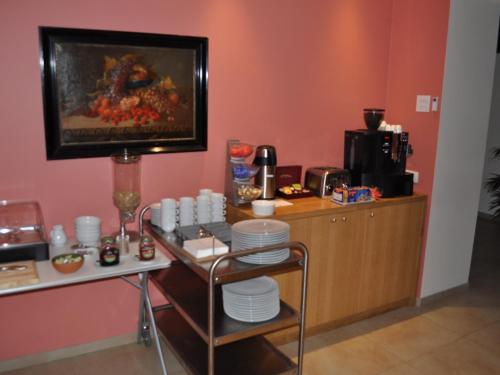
<point>322,180</point>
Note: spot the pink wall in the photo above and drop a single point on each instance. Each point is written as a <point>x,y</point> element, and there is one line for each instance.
<point>416,67</point>
<point>291,73</point>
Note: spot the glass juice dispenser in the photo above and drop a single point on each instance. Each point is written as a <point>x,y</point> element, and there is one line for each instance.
<point>126,193</point>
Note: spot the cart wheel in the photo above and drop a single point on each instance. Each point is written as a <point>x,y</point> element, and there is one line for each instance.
<point>146,334</point>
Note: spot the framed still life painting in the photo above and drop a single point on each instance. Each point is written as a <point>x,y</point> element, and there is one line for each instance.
<point>104,91</point>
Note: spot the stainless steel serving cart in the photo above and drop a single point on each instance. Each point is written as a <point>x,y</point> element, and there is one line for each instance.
<point>194,325</point>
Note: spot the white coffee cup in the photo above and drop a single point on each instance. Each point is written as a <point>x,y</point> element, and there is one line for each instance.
<point>168,214</point>
<point>156,214</point>
<point>218,197</point>
<point>217,219</point>
<point>205,192</point>
<point>168,202</point>
<point>186,201</point>
<point>186,219</point>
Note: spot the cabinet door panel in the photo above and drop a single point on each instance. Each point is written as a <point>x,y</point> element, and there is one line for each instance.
<point>340,266</point>
<point>390,259</point>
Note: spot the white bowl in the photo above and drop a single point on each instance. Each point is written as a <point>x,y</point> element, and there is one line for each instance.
<point>87,220</point>
<point>262,207</point>
<point>88,230</point>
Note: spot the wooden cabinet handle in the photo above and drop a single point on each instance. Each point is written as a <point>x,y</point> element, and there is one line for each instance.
<point>344,218</point>
<point>372,214</point>
<point>333,220</point>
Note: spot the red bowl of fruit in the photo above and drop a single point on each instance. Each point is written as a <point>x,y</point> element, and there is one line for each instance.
<point>240,150</point>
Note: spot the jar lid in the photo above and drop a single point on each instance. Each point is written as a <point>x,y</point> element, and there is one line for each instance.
<point>146,239</point>
<point>107,240</point>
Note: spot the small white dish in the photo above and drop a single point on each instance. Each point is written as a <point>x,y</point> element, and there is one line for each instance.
<point>262,207</point>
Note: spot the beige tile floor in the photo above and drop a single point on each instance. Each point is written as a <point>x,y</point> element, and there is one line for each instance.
<point>458,334</point>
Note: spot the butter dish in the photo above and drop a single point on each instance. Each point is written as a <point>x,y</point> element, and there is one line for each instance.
<point>205,247</point>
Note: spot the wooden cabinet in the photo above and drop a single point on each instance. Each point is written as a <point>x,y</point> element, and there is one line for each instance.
<point>363,259</point>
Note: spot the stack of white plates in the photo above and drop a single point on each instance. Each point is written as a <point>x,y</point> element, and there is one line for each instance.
<point>253,300</point>
<point>249,234</point>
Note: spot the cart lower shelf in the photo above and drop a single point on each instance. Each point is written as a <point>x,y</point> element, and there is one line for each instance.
<point>250,356</point>
<point>189,295</point>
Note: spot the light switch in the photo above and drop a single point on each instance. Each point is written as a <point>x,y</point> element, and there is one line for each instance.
<point>423,103</point>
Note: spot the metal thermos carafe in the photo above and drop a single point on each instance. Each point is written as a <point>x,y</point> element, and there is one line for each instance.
<point>265,158</point>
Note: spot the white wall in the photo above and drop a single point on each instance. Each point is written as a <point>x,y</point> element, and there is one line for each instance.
<point>467,89</point>
<point>492,166</point>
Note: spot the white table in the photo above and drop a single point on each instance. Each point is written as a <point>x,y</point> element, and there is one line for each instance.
<point>92,271</point>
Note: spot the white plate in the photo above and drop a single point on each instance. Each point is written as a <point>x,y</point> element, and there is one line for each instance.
<point>260,226</point>
<point>273,254</point>
<point>252,287</point>
<point>253,318</point>
<point>249,301</point>
<point>237,242</point>
<point>270,258</point>
<point>262,261</point>
<point>245,311</point>
<point>256,237</point>
<point>259,242</point>
<point>265,308</point>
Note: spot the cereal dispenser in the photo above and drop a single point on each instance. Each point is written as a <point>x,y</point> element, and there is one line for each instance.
<point>126,191</point>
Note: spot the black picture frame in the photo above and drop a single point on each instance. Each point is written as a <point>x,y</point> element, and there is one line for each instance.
<point>104,91</point>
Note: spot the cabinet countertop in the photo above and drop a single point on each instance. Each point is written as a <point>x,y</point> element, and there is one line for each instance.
<point>304,207</point>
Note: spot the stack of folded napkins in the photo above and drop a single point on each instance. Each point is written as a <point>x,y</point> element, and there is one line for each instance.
<point>205,247</point>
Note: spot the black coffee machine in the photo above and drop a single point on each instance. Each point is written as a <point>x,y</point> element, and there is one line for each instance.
<point>378,158</point>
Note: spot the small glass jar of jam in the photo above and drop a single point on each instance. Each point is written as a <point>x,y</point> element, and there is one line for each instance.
<point>146,248</point>
<point>109,254</point>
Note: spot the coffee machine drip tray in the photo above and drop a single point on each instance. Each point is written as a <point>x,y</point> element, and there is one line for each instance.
<point>390,185</point>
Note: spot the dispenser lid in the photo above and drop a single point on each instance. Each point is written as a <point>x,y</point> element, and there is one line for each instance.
<point>125,157</point>
<point>265,155</point>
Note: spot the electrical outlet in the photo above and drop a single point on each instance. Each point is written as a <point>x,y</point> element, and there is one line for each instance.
<point>435,104</point>
<point>415,175</point>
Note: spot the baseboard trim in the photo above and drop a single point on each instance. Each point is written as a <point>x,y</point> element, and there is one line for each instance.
<point>72,351</point>
<point>445,293</point>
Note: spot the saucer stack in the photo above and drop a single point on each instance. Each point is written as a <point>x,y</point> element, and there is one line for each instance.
<point>253,300</point>
<point>255,233</point>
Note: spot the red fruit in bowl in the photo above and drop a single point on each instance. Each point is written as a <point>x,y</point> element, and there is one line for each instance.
<point>235,151</point>
<point>241,150</point>
<point>246,150</point>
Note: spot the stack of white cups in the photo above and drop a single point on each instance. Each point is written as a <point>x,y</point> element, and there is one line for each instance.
<point>218,207</point>
<point>168,214</point>
<point>203,209</point>
<point>156,214</point>
<point>88,230</point>
<point>203,206</point>
<point>186,211</point>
